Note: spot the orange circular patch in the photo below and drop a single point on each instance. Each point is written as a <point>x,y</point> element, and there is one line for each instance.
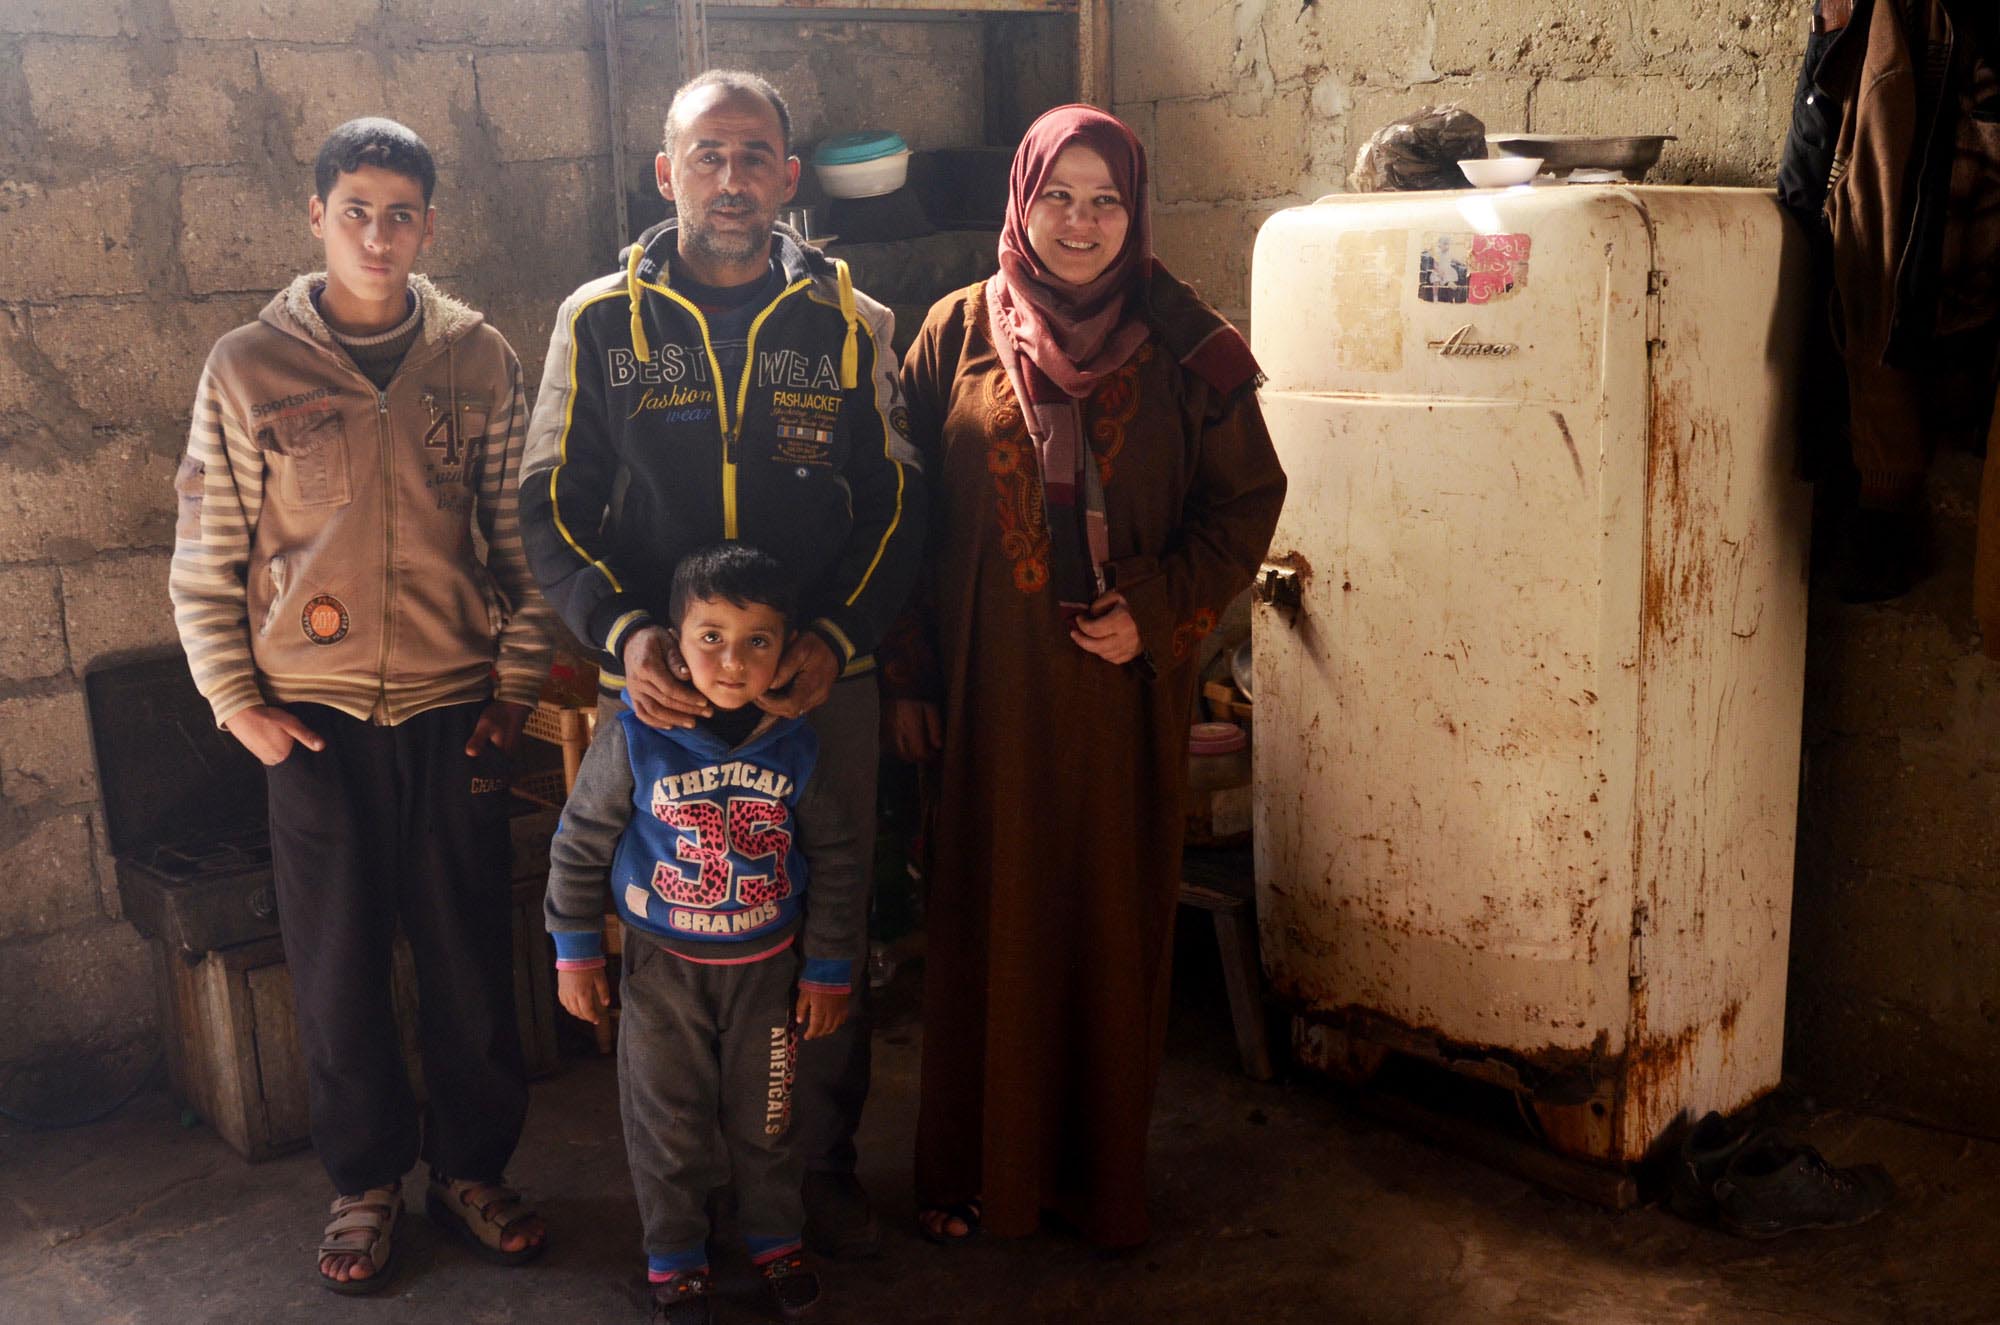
<point>324,620</point>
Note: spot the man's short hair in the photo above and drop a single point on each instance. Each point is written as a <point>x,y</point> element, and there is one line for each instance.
<point>745,575</point>
<point>735,80</point>
<point>374,141</point>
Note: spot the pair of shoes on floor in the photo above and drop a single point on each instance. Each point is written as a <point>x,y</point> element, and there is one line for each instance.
<point>689,1297</point>
<point>840,1223</point>
<point>1756,1183</point>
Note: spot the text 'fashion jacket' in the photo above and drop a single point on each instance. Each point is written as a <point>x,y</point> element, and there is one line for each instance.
<point>638,453</point>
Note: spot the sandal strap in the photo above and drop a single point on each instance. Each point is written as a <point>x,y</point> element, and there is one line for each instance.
<point>487,1206</point>
<point>362,1225</point>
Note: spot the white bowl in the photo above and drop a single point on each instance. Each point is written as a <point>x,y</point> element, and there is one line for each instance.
<point>865,179</point>
<point>1500,171</point>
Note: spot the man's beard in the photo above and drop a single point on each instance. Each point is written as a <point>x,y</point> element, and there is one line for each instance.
<point>709,243</point>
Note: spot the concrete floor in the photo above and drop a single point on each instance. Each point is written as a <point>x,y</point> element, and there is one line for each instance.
<point>1274,1203</point>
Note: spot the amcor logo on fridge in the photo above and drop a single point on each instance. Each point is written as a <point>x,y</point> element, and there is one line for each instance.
<point>1462,344</point>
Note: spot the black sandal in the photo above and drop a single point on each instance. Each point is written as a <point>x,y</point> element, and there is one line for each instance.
<point>965,1212</point>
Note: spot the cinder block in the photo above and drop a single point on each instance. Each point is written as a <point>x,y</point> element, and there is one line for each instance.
<point>1381,44</point>
<point>647,44</point>
<point>1722,126</point>
<point>559,211</point>
<point>91,97</point>
<point>115,604</point>
<point>23,383</point>
<point>544,104</point>
<point>45,750</point>
<point>1172,48</point>
<point>65,18</point>
<point>474,22</point>
<point>137,362</point>
<point>268,20</point>
<point>31,640</point>
<point>61,506</point>
<point>1563,37</point>
<point>1879,671</point>
<point>51,877</point>
<point>815,66</point>
<point>68,239</point>
<point>1883,804</point>
<point>1209,248</point>
<point>1707,37</point>
<point>239,233</point>
<point>324,87</point>
<point>1209,152</point>
<point>90,982</point>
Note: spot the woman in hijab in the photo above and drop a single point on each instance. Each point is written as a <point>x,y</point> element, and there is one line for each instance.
<point>1102,486</point>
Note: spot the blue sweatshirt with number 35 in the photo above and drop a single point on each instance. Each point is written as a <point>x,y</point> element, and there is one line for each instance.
<point>707,850</point>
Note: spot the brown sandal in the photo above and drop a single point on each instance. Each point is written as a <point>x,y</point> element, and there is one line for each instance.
<point>364,1227</point>
<point>483,1214</point>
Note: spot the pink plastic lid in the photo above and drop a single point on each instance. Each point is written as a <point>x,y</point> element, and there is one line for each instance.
<point>1216,738</point>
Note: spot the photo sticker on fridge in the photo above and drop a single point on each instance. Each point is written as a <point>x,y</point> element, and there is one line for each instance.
<point>1459,267</point>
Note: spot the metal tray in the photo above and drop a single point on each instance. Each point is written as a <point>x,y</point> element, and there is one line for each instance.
<point>1630,154</point>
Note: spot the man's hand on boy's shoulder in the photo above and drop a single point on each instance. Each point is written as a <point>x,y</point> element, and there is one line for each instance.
<point>804,678</point>
<point>499,726</point>
<point>820,1012</point>
<point>656,681</point>
<point>270,733</point>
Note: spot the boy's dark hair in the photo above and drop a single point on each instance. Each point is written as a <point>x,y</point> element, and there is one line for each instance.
<point>736,80</point>
<point>743,574</point>
<point>374,141</point>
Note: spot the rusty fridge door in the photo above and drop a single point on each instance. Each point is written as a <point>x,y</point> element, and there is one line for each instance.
<point>1526,770</point>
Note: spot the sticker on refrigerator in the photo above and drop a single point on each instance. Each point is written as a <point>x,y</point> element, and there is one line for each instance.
<point>1460,267</point>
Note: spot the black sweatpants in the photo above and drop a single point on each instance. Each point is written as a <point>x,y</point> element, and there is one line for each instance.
<point>388,825</point>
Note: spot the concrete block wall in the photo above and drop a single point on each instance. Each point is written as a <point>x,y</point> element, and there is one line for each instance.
<point>1256,105</point>
<point>155,162</point>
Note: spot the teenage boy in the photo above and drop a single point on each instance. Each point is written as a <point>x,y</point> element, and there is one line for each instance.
<point>707,838</point>
<point>349,584</point>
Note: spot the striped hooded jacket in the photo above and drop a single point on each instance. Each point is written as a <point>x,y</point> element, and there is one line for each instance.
<point>636,459</point>
<point>328,546</point>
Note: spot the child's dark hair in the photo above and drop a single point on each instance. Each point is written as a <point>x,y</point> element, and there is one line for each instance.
<point>736,571</point>
<point>374,141</point>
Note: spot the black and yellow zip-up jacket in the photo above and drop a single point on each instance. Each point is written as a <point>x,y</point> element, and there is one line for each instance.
<point>635,458</point>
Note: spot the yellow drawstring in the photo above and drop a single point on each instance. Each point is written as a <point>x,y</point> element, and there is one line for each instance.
<point>850,352</point>
<point>643,351</point>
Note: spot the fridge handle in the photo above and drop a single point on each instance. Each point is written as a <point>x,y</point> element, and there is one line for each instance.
<point>1278,586</point>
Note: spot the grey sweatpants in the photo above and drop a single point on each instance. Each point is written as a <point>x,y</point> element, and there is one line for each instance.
<point>705,1066</point>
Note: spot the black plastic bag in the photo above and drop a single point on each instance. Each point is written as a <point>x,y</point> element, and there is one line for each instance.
<point>1419,151</point>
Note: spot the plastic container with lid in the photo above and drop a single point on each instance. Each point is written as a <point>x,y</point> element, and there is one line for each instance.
<point>1217,800</point>
<point>866,164</point>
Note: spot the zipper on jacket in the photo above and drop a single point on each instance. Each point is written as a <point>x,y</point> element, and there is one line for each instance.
<point>732,430</point>
<point>388,546</point>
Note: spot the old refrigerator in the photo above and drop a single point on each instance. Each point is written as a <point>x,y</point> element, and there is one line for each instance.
<point>1528,682</point>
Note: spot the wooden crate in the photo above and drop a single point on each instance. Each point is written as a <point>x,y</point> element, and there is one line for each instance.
<point>232,1035</point>
<point>233,1041</point>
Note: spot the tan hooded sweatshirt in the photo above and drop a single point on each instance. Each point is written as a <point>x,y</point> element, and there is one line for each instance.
<point>351,547</point>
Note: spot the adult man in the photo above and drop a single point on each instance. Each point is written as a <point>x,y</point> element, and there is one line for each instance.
<point>729,383</point>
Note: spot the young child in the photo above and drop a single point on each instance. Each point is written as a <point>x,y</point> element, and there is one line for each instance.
<point>706,837</point>
<point>352,451</point>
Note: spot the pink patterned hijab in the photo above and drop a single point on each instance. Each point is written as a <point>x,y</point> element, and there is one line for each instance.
<point>1076,334</point>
